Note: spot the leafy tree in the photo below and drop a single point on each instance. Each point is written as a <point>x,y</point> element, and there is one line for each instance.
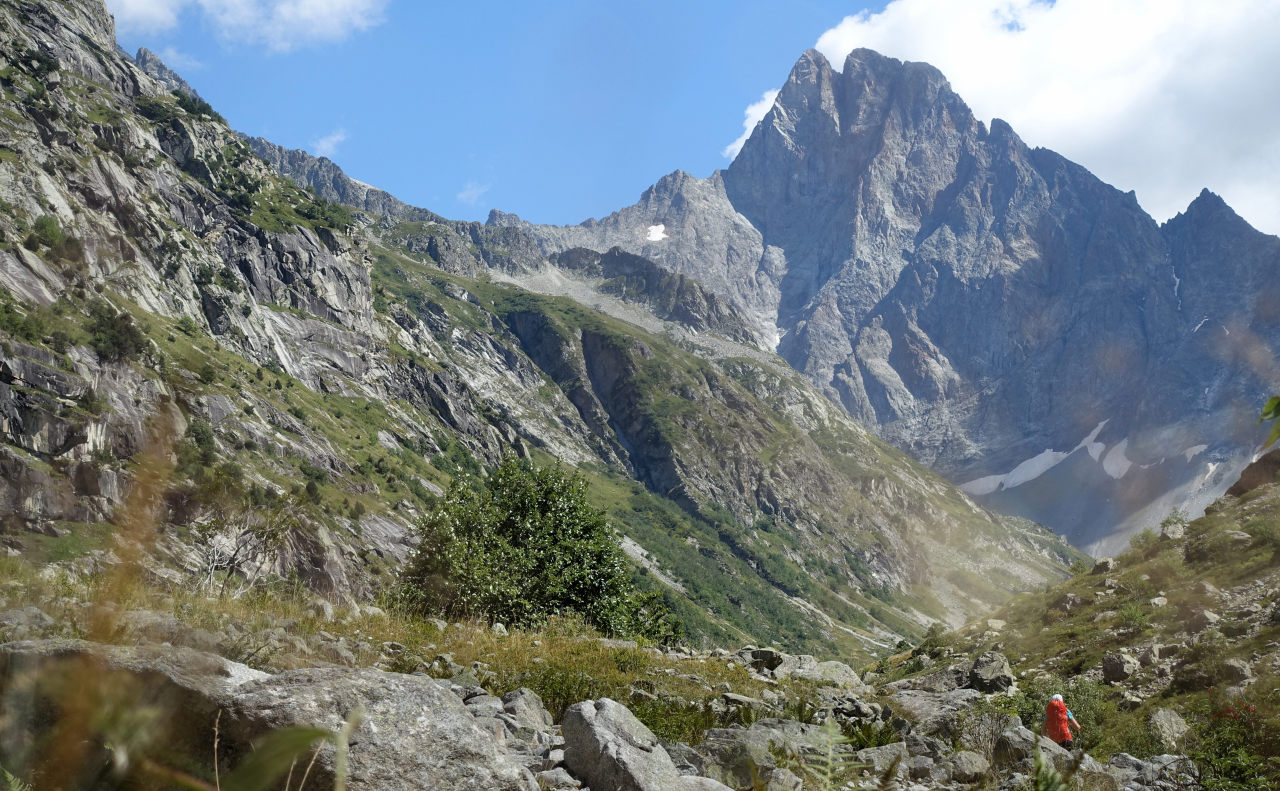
<point>114,335</point>
<point>523,546</point>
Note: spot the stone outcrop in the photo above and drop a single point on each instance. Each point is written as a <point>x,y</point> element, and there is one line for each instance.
<point>608,747</point>
<point>991,673</point>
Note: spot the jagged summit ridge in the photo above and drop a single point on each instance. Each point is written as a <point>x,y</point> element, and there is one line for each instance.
<point>942,281</point>
<point>978,302</point>
<point>349,362</point>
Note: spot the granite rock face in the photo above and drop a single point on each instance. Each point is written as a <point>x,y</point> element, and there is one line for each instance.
<point>151,63</point>
<point>993,309</point>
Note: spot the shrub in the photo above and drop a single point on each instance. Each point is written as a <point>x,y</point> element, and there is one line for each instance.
<point>156,110</point>
<point>113,334</point>
<point>188,326</point>
<point>47,231</point>
<point>197,106</point>
<point>1133,615</point>
<point>1236,742</point>
<point>518,548</point>
<point>1088,701</point>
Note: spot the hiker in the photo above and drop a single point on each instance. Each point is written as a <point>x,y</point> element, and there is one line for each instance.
<point>1058,720</point>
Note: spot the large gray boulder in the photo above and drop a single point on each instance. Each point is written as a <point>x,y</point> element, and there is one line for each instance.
<point>880,759</point>
<point>739,757</point>
<point>608,748</point>
<point>414,733</point>
<point>991,673</point>
<point>526,708</point>
<point>1119,666</point>
<point>830,674</point>
<point>968,767</point>
<point>934,712</point>
<point>1014,746</point>
<point>180,690</point>
<point>1169,728</point>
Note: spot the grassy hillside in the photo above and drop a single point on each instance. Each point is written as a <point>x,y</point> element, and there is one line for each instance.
<point>1186,620</point>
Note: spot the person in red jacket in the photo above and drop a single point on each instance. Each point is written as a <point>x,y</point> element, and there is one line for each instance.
<point>1058,722</point>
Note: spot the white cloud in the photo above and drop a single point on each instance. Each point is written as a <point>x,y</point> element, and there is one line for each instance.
<point>1160,96</point>
<point>146,16</point>
<point>472,192</point>
<point>752,116</point>
<point>280,25</point>
<point>327,146</point>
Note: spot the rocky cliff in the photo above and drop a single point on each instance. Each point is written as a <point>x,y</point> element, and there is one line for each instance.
<point>993,309</point>
<point>198,351</point>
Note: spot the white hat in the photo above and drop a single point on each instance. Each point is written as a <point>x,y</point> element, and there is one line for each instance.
<point>1057,697</point>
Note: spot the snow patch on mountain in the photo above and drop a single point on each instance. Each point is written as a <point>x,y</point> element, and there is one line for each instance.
<point>1116,464</point>
<point>1036,466</point>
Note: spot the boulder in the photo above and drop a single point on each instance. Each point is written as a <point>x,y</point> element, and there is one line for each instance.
<point>1119,666</point>
<point>919,767</point>
<point>968,767</point>
<point>556,778</point>
<point>1173,530</point>
<point>1237,672</point>
<point>608,748</point>
<point>1014,746</point>
<point>1168,727</point>
<point>881,758</point>
<point>1053,753</point>
<point>739,757</point>
<point>1150,654</point>
<point>934,712</point>
<point>1205,588</point>
<point>1203,619</point>
<point>945,680</point>
<point>926,746</point>
<point>991,673</point>
<point>182,688</point>
<point>526,708</point>
<point>773,663</point>
<point>829,674</point>
<point>1103,566</point>
<point>414,733</point>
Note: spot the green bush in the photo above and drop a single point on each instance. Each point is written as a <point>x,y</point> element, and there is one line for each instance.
<point>521,547</point>
<point>1134,615</point>
<point>197,106</point>
<point>113,334</point>
<point>156,110</point>
<point>1236,741</point>
<point>47,231</point>
<point>1089,702</point>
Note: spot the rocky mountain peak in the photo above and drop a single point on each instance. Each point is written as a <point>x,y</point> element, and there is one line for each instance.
<point>153,65</point>
<point>502,219</point>
<point>1210,207</point>
<point>942,281</point>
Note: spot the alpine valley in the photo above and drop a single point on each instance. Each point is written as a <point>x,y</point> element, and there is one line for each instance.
<point>888,375</point>
<point>169,293</point>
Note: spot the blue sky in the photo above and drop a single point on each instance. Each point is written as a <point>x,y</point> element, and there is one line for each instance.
<point>557,111</point>
<point>562,110</point>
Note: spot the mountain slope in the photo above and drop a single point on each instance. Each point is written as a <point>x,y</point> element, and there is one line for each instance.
<point>944,283</point>
<point>177,312</point>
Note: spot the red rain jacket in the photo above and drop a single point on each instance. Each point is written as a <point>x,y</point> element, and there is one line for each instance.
<point>1055,715</point>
